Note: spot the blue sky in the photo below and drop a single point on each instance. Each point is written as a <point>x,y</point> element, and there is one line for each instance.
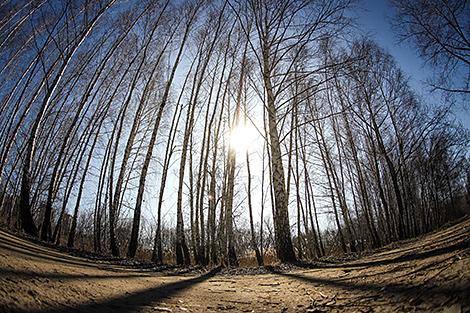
<point>373,18</point>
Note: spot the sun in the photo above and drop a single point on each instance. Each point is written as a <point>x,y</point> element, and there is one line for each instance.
<point>242,137</point>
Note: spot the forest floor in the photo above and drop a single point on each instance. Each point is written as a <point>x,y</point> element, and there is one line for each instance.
<point>428,274</point>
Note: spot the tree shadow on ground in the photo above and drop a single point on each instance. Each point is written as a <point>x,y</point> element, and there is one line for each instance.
<point>133,302</point>
<point>22,275</point>
<point>441,241</point>
<point>392,292</point>
<point>50,255</point>
<point>463,245</point>
<point>44,253</point>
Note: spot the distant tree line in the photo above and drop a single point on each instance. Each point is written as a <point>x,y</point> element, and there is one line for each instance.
<point>115,122</point>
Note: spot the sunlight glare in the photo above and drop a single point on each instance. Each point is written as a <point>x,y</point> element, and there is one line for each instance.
<point>242,137</point>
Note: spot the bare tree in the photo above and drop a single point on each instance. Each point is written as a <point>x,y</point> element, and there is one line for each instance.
<point>440,31</point>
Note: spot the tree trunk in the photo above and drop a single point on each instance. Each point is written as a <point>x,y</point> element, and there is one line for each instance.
<point>284,247</point>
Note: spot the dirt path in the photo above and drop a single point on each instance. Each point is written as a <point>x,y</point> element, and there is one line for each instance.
<point>431,274</point>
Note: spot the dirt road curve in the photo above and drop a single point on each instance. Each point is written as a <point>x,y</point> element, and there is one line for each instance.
<point>431,274</point>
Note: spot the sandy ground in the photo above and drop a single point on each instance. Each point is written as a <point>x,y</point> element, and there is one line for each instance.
<point>430,274</point>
